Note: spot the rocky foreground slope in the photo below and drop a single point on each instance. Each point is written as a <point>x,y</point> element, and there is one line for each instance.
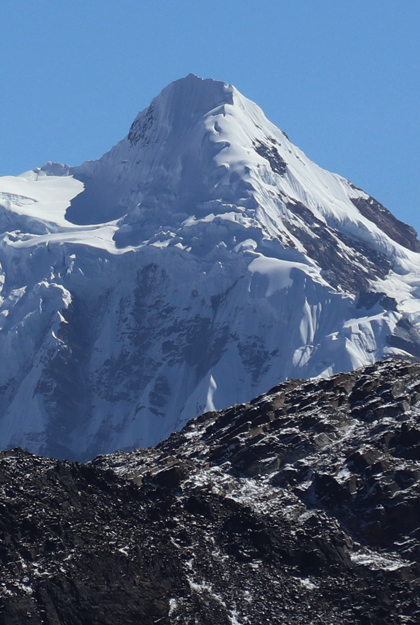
<point>301,506</point>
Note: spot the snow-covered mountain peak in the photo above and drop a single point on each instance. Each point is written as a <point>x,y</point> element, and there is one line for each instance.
<point>171,157</point>
<point>202,149</point>
<point>200,261</point>
<point>180,106</point>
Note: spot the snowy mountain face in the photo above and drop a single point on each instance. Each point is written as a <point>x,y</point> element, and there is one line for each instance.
<point>201,261</point>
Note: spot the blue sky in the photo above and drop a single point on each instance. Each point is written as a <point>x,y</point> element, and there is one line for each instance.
<point>341,77</point>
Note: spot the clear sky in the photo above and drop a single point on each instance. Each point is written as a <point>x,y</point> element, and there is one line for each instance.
<point>340,77</point>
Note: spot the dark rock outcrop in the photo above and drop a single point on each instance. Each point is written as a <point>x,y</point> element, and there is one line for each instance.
<point>397,230</point>
<point>299,507</point>
<point>333,251</point>
<point>270,153</point>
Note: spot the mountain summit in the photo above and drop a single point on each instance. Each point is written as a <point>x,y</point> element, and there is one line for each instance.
<point>199,262</point>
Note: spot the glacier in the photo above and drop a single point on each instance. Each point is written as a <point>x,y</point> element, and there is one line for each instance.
<point>198,263</point>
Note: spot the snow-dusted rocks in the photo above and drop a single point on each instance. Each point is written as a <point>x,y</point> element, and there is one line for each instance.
<point>201,261</point>
<point>300,507</point>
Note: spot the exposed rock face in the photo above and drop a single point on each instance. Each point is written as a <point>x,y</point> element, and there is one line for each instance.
<point>301,506</point>
<point>346,263</point>
<point>397,230</point>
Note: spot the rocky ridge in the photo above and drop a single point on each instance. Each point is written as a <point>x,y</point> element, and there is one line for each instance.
<point>299,506</point>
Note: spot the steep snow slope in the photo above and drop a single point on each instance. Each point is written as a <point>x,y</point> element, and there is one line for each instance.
<point>202,260</point>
